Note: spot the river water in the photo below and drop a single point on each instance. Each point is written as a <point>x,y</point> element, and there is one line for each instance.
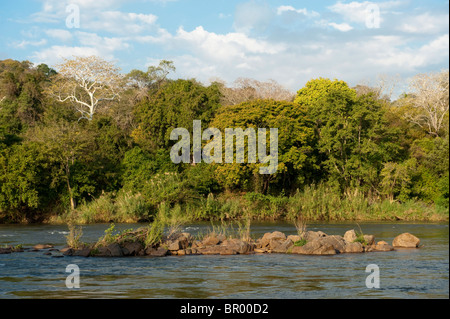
<point>404,273</point>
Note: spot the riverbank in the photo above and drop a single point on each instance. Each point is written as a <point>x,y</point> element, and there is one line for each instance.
<point>314,204</point>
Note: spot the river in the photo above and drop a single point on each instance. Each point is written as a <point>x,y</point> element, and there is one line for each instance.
<point>404,273</point>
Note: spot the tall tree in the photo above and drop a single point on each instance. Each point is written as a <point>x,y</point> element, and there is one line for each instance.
<point>430,98</point>
<point>246,89</point>
<point>175,104</point>
<point>86,82</point>
<point>67,148</point>
<point>295,145</point>
<point>354,138</point>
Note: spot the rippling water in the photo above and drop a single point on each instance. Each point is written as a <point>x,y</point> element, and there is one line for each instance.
<point>405,273</point>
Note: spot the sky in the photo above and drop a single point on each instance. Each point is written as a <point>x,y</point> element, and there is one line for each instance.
<point>289,41</point>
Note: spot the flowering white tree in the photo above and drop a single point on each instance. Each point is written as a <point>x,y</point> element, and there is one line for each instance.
<point>87,82</point>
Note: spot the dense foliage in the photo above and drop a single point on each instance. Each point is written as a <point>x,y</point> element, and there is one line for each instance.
<point>342,150</point>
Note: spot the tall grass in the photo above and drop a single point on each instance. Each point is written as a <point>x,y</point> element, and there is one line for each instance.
<point>155,232</point>
<point>73,239</point>
<point>313,203</point>
<point>125,207</point>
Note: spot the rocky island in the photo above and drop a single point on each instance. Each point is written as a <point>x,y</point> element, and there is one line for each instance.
<point>182,244</point>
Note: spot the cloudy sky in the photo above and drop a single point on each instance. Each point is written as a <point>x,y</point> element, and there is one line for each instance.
<point>290,41</point>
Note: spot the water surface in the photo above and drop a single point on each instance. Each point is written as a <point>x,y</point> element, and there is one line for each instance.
<point>404,273</point>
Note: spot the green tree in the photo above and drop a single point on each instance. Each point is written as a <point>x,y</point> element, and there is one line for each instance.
<point>354,139</point>
<point>153,77</point>
<point>24,180</point>
<point>175,104</point>
<point>296,161</point>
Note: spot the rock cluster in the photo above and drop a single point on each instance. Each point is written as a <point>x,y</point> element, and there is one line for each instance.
<point>182,244</point>
<point>311,243</point>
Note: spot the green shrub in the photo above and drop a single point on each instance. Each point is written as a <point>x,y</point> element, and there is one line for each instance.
<point>301,242</point>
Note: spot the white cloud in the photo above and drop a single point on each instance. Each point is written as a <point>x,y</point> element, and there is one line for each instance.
<point>117,22</point>
<point>94,17</point>
<point>59,34</point>
<point>89,44</point>
<point>252,16</point>
<point>353,11</point>
<point>105,43</point>
<point>425,23</point>
<point>284,9</point>
<point>344,27</point>
<point>358,12</point>
<point>24,43</point>
<point>224,46</point>
<point>433,52</point>
<point>54,54</point>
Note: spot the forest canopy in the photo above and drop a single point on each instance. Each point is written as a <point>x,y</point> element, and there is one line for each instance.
<point>83,141</point>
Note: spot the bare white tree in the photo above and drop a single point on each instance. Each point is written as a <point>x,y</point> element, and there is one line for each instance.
<point>86,81</point>
<point>430,97</point>
<point>387,84</point>
<point>245,89</point>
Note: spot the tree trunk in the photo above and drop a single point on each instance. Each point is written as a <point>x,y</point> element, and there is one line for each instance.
<point>72,201</point>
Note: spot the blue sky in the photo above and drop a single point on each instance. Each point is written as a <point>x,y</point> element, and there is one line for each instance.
<point>288,41</point>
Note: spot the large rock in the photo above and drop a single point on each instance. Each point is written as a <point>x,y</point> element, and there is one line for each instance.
<point>315,247</point>
<point>322,245</point>
<point>42,246</point>
<point>370,239</point>
<point>67,251</point>
<point>406,240</point>
<point>7,250</point>
<point>382,246</point>
<point>312,235</point>
<point>84,252</point>
<point>101,252</point>
<point>294,238</point>
<point>174,245</point>
<point>354,248</point>
<point>240,246</point>
<point>156,252</point>
<point>211,240</point>
<point>132,248</point>
<point>216,250</point>
<point>196,243</point>
<point>182,241</point>
<point>283,247</point>
<point>350,236</point>
<point>115,250</point>
<point>183,252</point>
<point>272,237</point>
<point>336,241</point>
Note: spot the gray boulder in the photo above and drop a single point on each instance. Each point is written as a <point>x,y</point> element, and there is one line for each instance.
<point>382,246</point>
<point>350,236</point>
<point>269,238</point>
<point>312,235</point>
<point>406,240</point>
<point>336,241</point>
<point>237,245</point>
<point>156,252</point>
<point>315,247</point>
<point>354,248</point>
<point>132,248</point>
<point>84,252</point>
<point>115,250</point>
<point>370,239</point>
<point>283,247</point>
